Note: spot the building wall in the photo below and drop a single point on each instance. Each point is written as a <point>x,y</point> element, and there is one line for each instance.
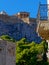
<point>7,53</point>
<point>10,53</point>
<point>2,53</point>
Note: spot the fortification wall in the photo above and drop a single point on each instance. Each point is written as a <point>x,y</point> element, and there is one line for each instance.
<point>19,27</point>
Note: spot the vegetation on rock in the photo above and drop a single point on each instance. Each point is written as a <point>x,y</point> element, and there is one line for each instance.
<point>29,53</point>
<point>8,38</point>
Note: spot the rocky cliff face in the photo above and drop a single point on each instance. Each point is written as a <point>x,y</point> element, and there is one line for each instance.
<point>18,28</point>
<point>44,29</point>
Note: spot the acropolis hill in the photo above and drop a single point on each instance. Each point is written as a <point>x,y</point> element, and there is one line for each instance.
<point>18,26</point>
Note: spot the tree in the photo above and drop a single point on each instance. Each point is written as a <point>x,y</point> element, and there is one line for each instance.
<point>26,53</point>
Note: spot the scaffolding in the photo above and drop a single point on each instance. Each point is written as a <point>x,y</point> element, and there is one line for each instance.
<point>43,21</point>
<point>43,11</point>
<point>43,15</point>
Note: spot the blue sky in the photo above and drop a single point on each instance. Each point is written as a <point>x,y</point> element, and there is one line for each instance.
<point>15,6</point>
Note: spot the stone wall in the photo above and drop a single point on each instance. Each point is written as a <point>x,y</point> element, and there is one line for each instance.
<point>19,28</point>
<point>44,29</point>
<point>7,53</point>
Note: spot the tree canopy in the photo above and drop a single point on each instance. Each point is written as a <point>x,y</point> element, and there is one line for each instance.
<point>29,53</point>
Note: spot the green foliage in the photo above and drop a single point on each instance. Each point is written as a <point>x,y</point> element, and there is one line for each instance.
<point>8,38</point>
<point>26,53</point>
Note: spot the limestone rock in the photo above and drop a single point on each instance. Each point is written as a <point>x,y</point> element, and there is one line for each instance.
<point>19,28</point>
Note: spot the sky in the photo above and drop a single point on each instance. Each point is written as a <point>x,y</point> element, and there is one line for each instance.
<point>14,6</point>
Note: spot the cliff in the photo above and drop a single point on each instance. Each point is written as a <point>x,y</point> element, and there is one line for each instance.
<point>19,27</point>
